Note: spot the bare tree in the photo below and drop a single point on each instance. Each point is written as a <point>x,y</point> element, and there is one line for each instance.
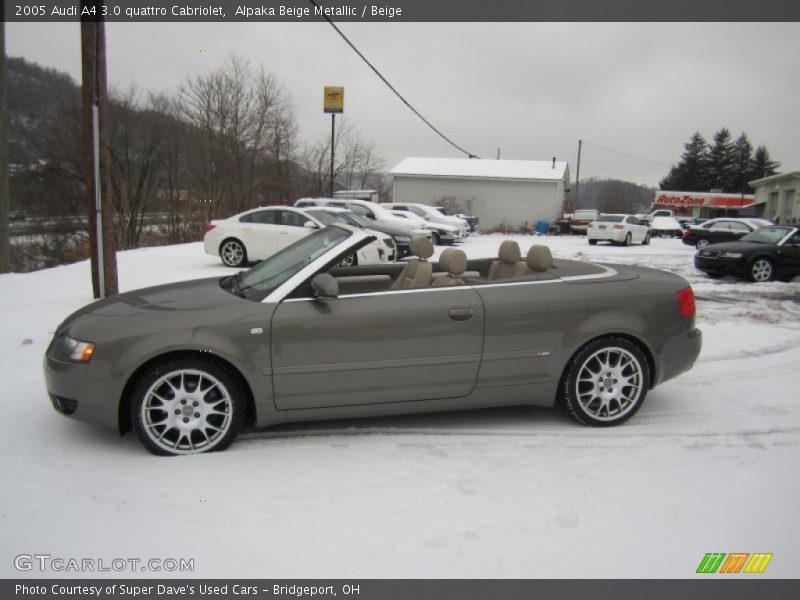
<point>357,164</point>
<point>248,134</point>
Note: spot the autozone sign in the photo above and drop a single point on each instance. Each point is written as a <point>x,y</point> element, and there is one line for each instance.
<point>701,199</point>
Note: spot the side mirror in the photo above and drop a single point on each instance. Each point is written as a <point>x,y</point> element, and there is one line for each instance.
<point>310,225</point>
<point>325,286</point>
<point>371,215</point>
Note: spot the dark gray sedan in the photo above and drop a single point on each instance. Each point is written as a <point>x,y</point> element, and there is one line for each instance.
<point>299,338</point>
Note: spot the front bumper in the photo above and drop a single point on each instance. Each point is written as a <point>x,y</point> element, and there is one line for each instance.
<point>72,393</point>
<point>720,266</point>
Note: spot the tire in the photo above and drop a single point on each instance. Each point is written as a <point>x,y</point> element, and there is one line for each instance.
<point>349,261</point>
<point>646,240</point>
<point>592,242</point>
<point>701,243</point>
<point>627,241</point>
<point>186,407</point>
<point>232,253</point>
<point>593,391</point>
<point>761,270</point>
<point>436,238</point>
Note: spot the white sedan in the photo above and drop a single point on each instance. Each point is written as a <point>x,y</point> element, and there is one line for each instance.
<point>259,233</point>
<point>618,229</point>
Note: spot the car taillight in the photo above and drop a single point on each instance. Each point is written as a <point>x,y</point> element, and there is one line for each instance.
<point>209,227</point>
<point>686,302</point>
<point>617,226</point>
<point>686,231</point>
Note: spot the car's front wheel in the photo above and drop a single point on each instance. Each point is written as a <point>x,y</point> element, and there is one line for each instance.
<point>349,261</point>
<point>436,238</point>
<point>761,270</point>
<point>186,407</point>
<point>606,382</point>
<point>233,253</point>
<point>627,241</point>
<point>592,242</point>
<point>646,240</point>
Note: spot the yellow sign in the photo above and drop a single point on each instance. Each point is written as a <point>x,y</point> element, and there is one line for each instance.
<point>334,99</point>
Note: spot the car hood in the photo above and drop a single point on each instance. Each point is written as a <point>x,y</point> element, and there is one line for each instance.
<point>158,301</point>
<point>735,246</point>
<point>392,228</point>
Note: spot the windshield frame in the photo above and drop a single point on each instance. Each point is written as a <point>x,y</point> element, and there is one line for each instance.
<point>259,289</point>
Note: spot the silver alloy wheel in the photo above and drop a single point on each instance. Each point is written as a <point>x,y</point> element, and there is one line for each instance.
<point>761,270</point>
<point>232,253</point>
<point>609,383</point>
<point>701,243</point>
<point>186,411</point>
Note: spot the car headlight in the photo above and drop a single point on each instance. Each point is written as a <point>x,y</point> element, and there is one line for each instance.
<point>66,348</point>
<point>403,238</point>
<point>731,255</point>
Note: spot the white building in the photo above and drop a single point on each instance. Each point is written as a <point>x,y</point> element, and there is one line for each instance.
<point>503,193</point>
<point>780,197</point>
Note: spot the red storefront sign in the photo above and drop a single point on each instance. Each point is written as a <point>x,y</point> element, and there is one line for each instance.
<point>701,199</point>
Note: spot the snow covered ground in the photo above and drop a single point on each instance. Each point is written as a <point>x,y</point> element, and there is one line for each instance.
<point>709,464</point>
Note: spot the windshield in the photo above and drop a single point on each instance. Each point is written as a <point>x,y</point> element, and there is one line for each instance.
<point>258,282</point>
<point>767,235</point>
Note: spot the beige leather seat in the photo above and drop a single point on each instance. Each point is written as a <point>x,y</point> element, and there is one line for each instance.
<point>510,263</point>
<point>418,272</point>
<point>455,263</point>
<point>539,259</point>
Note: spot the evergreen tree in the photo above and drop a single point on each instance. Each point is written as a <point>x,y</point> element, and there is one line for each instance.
<point>744,161</point>
<point>692,172</point>
<point>762,165</point>
<point>722,157</point>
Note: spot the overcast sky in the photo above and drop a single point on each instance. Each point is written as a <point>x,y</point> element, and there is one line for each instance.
<point>530,89</point>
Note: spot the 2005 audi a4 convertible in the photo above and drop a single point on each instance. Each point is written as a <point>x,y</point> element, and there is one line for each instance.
<point>299,338</point>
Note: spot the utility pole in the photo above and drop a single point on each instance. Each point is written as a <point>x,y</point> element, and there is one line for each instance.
<point>97,151</point>
<point>5,201</point>
<point>333,145</point>
<point>578,176</point>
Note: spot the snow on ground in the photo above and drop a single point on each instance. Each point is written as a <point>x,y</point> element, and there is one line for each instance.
<point>709,464</point>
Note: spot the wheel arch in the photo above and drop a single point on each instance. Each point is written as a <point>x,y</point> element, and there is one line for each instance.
<point>636,341</point>
<point>123,414</point>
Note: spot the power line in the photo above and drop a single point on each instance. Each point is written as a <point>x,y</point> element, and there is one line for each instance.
<point>625,155</point>
<point>391,87</point>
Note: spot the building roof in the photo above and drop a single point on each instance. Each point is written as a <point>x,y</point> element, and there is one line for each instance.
<point>482,168</point>
<point>773,179</point>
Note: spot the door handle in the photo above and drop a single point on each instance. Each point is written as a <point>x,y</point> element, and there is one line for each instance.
<point>461,314</point>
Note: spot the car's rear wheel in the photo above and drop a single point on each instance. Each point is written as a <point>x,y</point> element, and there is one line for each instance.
<point>761,270</point>
<point>592,242</point>
<point>233,253</point>
<point>628,239</point>
<point>701,243</point>
<point>646,240</point>
<point>186,407</point>
<point>436,238</point>
<point>606,382</point>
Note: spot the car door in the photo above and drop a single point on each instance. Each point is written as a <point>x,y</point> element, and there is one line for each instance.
<point>397,346</point>
<point>789,256</point>
<point>260,233</point>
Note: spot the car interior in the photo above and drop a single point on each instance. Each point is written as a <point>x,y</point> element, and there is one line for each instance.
<point>453,269</point>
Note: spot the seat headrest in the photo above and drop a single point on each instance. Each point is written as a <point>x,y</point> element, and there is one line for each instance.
<point>454,261</point>
<point>540,258</point>
<point>509,252</point>
<point>421,246</point>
